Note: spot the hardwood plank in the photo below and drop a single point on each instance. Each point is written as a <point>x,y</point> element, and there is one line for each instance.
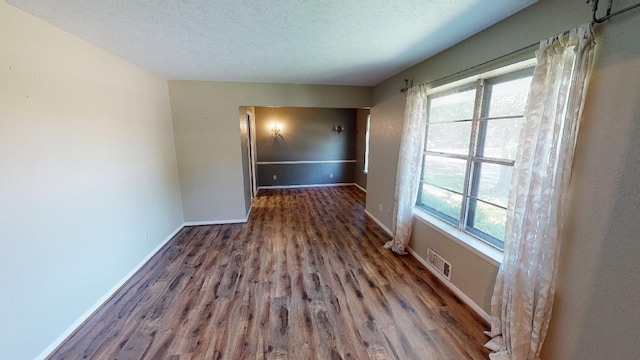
<point>305,278</point>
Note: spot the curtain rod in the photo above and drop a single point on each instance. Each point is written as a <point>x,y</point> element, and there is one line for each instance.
<point>595,21</point>
<point>481,64</point>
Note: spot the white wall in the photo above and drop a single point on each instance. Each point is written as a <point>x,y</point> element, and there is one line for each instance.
<point>87,165</point>
<point>205,120</point>
<point>596,310</point>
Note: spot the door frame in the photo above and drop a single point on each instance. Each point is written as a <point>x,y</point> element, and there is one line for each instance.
<point>251,146</point>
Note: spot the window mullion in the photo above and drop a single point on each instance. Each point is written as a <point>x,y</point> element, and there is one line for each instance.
<point>488,160</point>
<point>445,155</point>
<point>477,113</point>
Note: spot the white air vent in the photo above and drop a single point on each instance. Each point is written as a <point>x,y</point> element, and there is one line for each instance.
<point>438,263</point>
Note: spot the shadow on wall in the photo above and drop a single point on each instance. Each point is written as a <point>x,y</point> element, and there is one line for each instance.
<point>278,145</point>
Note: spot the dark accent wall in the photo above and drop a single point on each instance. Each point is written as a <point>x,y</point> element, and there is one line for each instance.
<point>305,174</point>
<point>361,130</point>
<point>306,134</point>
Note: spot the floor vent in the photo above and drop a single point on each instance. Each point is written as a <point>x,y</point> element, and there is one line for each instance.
<point>438,263</point>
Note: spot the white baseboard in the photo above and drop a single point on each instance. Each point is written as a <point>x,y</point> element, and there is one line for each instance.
<point>360,187</point>
<point>215,222</point>
<point>76,324</point>
<point>249,212</point>
<point>386,229</point>
<point>475,307</point>
<point>54,345</point>
<point>303,186</point>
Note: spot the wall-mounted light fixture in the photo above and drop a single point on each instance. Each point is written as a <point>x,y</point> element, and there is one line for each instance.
<point>275,130</point>
<point>338,129</point>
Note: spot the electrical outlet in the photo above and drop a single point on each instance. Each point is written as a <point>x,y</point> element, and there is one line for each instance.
<point>331,175</point>
<point>380,207</point>
<point>275,177</point>
<point>146,234</point>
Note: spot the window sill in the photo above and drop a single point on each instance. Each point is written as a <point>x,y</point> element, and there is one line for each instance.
<point>477,246</point>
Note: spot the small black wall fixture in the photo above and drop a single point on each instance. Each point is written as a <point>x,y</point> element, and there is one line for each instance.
<point>338,129</point>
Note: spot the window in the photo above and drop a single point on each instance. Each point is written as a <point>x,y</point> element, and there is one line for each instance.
<point>471,139</point>
<point>366,145</point>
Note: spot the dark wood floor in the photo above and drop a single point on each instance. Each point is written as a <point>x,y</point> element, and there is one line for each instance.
<point>305,278</point>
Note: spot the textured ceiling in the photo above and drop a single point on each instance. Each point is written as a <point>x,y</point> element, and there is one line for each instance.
<point>341,42</point>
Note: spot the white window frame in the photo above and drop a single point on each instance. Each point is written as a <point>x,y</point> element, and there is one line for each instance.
<point>459,232</point>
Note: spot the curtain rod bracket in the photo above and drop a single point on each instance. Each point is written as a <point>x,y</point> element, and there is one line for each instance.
<point>608,14</point>
<point>596,20</point>
<point>407,86</point>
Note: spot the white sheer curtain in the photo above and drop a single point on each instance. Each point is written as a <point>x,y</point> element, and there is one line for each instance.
<point>525,285</point>
<point>409,167</point>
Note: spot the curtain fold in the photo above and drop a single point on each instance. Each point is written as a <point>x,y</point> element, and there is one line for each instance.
<point>525,285</point>
<point>409,168</point>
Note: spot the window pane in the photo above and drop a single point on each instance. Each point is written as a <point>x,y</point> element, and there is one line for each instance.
<point>509,98</point>
<point>494,182</point>
<point>488,219</point>
<point>442,201</point>
<point>445,172</point>
<point>453,106</point>
<point>502,136</point>
<point>452,138</point>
